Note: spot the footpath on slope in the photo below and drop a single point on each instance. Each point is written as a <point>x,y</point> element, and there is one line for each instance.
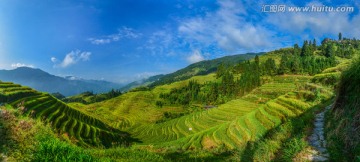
<point>317,139</point>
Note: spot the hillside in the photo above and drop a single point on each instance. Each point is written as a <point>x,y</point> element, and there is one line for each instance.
<point>43,81</point>
<point>199,68</point>
<point>90,97</point>
<point>86,129</point>
<point>343,124</point>
<point>262,109</point>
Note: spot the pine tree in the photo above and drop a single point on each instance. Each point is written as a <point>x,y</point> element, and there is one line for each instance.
<point>340,36</point>
<point>297,49</point>
<point>257,60</point>
<point>269,67</point>
<point>295,68</point>
<point>283,65</point>
<point>330,50</point>
<point>220,71</point>
<point>305,51</point>
<point>314,44</point>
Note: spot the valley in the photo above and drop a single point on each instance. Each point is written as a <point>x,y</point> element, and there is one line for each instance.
<point>259,109</point>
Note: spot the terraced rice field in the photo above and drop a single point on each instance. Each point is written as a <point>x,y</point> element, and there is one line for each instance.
<point>193,123</point>
<point>126,110</point>
<point>230,125</point>
<point>234,123</point>
<point>223,130</point>
<point>86,129</point>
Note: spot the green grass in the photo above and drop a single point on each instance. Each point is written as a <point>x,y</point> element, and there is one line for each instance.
<point>52,149</point>
<point>342,126</point>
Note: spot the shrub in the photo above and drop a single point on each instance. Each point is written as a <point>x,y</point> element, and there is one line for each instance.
<point>52,149</point>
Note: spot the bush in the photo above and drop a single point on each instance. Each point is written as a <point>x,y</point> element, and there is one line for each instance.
<point>52,149</point>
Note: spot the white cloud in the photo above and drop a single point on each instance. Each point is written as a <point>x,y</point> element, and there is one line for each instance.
<point>99,41</point>
<point>316,24</point>
<point>227,27</point>
<point>16,65</point>
<point>123,33</point>
<point>196,56</point>
<point>72,58</point>
<point>53,59</point>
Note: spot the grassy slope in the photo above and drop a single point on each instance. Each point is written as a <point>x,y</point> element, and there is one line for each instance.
<point>26,139</point>
<point>342,127</point>
<point>136,107</point>
<point>200,68</point>
<point>87,129</point>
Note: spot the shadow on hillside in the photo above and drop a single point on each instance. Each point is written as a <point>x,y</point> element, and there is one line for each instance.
<point>249,151</point>
<point>117,138</point>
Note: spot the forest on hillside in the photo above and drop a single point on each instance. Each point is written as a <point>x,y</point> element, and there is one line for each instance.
<point>238,80</point>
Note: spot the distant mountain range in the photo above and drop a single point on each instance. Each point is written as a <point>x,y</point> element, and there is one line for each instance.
<point>71,85</point>
<point>43,81</point>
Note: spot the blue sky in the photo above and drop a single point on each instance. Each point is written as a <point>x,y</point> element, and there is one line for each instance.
<point>127,40</point>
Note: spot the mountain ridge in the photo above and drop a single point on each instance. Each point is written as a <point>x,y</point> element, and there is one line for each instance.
<point>199,68</point>
<point>43,81</point>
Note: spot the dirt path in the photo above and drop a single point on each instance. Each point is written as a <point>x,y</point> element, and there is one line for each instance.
<point>317,140</point>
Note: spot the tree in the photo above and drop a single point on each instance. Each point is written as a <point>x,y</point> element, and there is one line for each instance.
<point>330,50</point>
<point>349,52</point>
<point>283,65</point>
<point>295,65</point>
<point>220,70</point>
<point>270,67</point>
<point>297,49</point>
<point>257,60</point>
<point>340,36</point>
<point>305,51</point>
<point>314,44</point>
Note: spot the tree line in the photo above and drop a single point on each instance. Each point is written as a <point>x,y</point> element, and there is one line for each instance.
<point>238,80</point>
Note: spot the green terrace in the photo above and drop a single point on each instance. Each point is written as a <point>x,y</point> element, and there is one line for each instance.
<point>88,130</point>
